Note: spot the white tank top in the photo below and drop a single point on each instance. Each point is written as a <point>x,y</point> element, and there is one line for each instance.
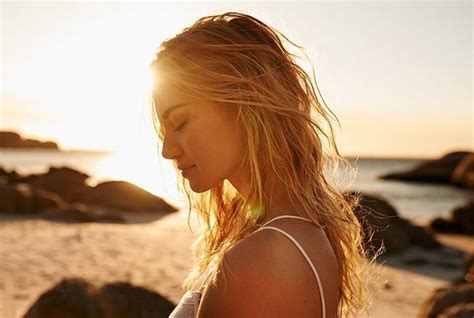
<point>189,302</point>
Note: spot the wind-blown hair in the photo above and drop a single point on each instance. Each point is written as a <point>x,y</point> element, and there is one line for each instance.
<point>235,60</point>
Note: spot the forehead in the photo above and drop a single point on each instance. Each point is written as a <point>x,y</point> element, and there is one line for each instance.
<point>167,97</point>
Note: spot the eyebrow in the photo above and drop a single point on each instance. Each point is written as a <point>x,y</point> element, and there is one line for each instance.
<point>167,112</point>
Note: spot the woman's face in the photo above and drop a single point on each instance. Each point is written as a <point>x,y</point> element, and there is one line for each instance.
<point>200,135</point>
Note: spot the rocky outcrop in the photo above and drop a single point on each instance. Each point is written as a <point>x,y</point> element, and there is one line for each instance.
<point>384,227</point>
<point>63,194</point>
<point>66,182</point>
<point>78,298</point>
<point>123,196</point>
<point>456,168</point>
<point>9,139</point>
<point>448,301</point>
<point>460,220</point>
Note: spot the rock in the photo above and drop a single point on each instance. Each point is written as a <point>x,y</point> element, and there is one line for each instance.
<point>459,311</point>
<point>422,237</point>
<point>62,194</point>
<point>445,226</point>
<point>463,174</point>
<point>42,200</point>
<point>464,217</point>
<point>438,170</point>
<point>469,267</point>
<point>68,183</point>
<point>387,285</point>
<point>72,298</point>
<point>384,227</point>
<point>123,300</point>
<point>447,297</point>
<point>76,297</point>
<point>124,196</point>
<point>21,198</point>
<point>9,139</point>
<point>15,199</point>
<point>8,176</point>
<point>460,220</point>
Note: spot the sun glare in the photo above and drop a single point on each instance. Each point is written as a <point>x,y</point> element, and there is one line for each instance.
<point>95,78</point>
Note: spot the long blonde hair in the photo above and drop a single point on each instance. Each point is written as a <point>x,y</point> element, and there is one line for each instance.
<point>236,60</point>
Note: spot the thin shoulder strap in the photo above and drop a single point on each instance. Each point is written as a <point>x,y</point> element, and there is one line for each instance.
<point>315,272</point>
<point>288,217</point>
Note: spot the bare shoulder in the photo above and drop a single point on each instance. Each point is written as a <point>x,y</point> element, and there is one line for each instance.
<point>265,275</point>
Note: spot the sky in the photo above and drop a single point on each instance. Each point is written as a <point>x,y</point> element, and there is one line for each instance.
<point>398,74</point>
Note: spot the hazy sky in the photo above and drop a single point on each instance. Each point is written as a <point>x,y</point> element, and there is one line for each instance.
<point>397,74</point>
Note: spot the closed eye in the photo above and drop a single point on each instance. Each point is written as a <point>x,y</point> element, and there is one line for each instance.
<point>180,126</point>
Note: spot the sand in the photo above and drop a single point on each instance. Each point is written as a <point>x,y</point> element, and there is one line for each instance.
<point>37,253</point>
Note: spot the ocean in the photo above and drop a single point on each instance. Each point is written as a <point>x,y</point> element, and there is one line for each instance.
<point>412,200</point>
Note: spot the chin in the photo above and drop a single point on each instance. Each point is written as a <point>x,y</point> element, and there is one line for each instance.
<point>198,188</point>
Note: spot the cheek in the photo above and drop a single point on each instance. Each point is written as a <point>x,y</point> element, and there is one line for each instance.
<point>213,147</point>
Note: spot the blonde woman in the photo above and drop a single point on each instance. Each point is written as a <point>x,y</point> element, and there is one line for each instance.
<point>241,121</point>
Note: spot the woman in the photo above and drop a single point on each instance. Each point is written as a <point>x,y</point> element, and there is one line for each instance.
<point>235,114</point>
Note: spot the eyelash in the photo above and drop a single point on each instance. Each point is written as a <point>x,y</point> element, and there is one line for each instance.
<point>180,126</point>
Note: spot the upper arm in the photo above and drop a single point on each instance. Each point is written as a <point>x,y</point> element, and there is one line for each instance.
<point>257,279</point>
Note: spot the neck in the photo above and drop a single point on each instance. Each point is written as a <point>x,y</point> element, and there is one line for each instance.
<point>276,200</point>
<point>278,204</point>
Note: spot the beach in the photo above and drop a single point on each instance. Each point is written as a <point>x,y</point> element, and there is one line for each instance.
<point>154,251</point>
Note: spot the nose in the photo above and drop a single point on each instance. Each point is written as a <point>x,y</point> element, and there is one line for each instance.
<point>171,148</point>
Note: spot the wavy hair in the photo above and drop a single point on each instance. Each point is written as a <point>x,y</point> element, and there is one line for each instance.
<point>235,60</point>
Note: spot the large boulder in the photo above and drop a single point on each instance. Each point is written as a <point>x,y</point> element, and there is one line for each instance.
<point>460,220</point>
<point>124,196</point>
<point>383,226</point>
<point>72,298</point>
<point>76,297</point>
<point>439,170</point>
<point>444,298</point>
<point>123,300</point>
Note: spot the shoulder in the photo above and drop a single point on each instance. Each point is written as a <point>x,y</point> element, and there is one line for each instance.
<point>263,275</point>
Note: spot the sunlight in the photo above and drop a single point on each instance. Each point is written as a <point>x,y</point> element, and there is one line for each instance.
<point>142,168</point>
<point>95,78</point>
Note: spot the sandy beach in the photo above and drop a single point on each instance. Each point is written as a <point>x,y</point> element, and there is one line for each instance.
<point>37,253</point>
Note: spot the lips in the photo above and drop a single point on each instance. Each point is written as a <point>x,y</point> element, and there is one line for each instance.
<point>185,171</point>
<point>183,167</point>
